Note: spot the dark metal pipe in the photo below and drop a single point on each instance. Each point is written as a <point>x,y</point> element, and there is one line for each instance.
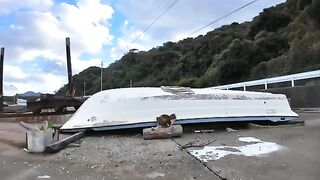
<point>69,67</point>
<point>1,79</point>
<point>59,145</point>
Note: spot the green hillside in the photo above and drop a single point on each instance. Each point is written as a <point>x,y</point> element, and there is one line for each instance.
<point>281,40</point>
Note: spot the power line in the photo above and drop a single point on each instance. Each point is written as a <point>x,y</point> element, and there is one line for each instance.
<point>155,20</point>
<point>154,7</point>
<point>154,12</point>
<point>224,16</point>
<point>151,14</point>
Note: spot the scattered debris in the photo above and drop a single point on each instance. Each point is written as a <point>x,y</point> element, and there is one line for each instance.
<point>74,145</point>
<point>39,139</point>
<point>26,150</point>
<point>307,110</point>
<point>57,146</point>
<point>249,139</point>
<point>44,177</point>
<point>154,175</point>
<point>231,130</point>
<point>277,124</point>
<point>193,144</point>
<point>204,131</point>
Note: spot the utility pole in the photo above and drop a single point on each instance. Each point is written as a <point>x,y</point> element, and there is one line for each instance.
<point>69,68</point>
<point>1,79</point>
<point>84,88</point>
<point>101,75</point>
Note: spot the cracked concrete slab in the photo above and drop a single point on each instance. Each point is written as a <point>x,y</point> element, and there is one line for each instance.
<point>128,156</point>
<point>298,160</point>
<point>107,157</point>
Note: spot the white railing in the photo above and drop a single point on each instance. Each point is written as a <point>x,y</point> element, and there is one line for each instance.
<point>279,79</point>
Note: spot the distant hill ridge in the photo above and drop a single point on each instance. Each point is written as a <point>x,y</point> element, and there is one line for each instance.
<point>281,40</point>
<point>30,94</point>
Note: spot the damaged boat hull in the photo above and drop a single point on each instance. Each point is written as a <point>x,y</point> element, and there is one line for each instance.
<point>139,107</point>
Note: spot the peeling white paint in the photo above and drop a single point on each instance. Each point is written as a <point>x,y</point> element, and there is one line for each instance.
<point>255,148</point>
<point>117,108</point>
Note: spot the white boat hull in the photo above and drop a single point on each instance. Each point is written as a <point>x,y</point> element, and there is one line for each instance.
<point>139,107</point>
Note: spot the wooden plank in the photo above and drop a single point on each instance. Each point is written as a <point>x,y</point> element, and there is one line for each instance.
<point>59,145</point>
<point>162,133</point>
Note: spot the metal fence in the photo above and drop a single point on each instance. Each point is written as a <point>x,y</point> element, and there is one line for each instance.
<point>287,78</point>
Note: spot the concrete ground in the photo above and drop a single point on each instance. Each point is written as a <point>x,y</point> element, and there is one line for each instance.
<point>128,156</point>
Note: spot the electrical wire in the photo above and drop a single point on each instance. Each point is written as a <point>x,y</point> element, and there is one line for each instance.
<point>153,12</point>
<point>154,21</point>
<point>238,9</point>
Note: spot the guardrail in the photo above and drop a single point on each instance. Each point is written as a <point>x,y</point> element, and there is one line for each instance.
<point>279,79</point>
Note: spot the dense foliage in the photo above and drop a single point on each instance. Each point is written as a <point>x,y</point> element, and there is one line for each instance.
<point>281,40</point>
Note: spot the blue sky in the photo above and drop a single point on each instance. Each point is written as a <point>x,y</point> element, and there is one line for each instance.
<point>33,33</point>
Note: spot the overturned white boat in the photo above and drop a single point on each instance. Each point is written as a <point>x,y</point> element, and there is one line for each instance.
<point>139,107</point>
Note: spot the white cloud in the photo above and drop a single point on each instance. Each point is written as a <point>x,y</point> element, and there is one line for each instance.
<point>125,42</point>
<point>35,33</point>
<point>44,77</point>
<point>38,29</point>
<point>79,65</point>
<point>178,23</point>
<point>38,32</point>
<point>87,24</point>
<point>8,6</point>
<point>13,73</point>
<point>15,80</point>
<point>188,15</point>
